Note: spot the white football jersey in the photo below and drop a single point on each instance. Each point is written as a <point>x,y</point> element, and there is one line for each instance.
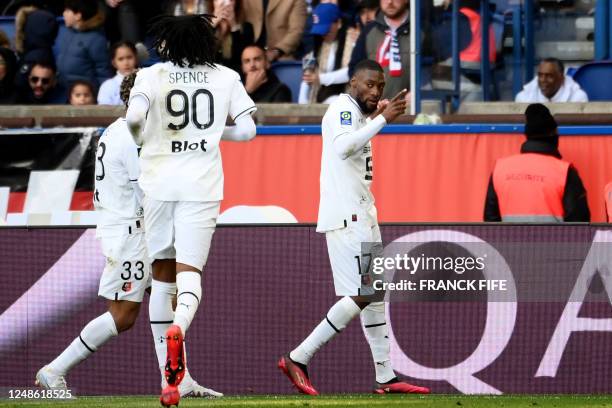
<point>117,196</point>
<point>345,184</point>
<point>188,107</point>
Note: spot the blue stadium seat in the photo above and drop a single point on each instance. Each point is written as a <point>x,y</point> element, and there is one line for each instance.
<point>289,73</point>
<point>7,24</point>
<point>595,78</point>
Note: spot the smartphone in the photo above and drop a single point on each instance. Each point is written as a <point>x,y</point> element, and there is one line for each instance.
<point>309,62</point>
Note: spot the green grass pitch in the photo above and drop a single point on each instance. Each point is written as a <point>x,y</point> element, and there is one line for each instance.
<point>352,400</point>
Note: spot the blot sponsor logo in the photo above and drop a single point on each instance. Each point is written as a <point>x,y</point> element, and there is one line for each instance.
<point>186,146</point>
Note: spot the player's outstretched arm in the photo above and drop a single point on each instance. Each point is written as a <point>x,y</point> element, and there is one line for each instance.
<point>244,130</point>
<point>136,116</point>
<point>346,144</point>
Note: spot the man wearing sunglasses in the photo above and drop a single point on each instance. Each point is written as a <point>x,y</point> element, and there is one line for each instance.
<point>42,86</point>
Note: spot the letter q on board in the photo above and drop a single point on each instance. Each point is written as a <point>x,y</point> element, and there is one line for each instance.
<point>500,320</point>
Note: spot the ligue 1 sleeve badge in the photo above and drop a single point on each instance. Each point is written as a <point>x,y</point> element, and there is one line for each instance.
<point>346,118</point>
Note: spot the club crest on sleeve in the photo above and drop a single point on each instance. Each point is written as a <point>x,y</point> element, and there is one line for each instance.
<point>346,118</point>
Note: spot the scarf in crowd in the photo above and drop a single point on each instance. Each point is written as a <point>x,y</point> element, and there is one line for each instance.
<point>388,54</point>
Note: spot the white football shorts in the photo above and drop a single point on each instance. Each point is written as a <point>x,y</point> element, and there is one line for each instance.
<point>180,230</point>
<point>351,269</point>
<point>127,273</point>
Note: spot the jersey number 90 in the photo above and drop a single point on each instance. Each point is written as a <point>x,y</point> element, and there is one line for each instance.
<point>189,109</point>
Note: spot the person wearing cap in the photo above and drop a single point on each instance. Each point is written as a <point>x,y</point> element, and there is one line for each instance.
<point>536,185</point>
<point>334,42</point>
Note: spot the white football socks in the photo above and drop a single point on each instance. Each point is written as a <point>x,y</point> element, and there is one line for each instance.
<point>161,316</point>
<point>374,323</point>
<point>338,317</point>
<point>92,337</point>
<point>189,286</point>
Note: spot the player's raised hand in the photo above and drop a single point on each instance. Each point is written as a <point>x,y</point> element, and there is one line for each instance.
<point>382,104</point>
<point>396,106</point>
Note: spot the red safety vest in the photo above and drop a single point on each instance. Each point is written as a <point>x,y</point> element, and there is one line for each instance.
<point>530,187</point>
<point>472,52</point>
<point>608,201</point>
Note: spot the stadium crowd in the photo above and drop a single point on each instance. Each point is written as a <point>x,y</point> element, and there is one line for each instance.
<point>99,42</point>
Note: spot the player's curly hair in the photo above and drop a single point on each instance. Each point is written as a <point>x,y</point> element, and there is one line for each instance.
<point>185,40</point>
<point>126,87</point>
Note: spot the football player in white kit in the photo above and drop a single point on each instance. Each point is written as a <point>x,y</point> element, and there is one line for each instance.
<point>347,216</point>
<point>177,113</point>
<point>127,272</point>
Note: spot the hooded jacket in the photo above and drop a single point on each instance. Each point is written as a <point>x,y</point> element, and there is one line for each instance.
<point>83,53</point>
<point>570,91</point>
<point>35,33</point>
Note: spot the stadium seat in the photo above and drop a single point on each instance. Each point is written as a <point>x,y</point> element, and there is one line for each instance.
<point>4,197</point>
<point>50,191</point>
<point>596,80</point>
<point>289,73</point>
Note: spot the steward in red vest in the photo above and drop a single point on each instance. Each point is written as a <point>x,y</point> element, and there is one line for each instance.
<point>536,185</point>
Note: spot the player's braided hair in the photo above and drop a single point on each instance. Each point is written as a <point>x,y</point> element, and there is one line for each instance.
<point>126,87</point>
<point>185,40</point>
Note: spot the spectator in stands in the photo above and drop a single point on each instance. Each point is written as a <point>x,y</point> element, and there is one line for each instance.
<point>552,85</point>
<point>35,32</point>
<point>42,88</point>
<point>469,29</point>
<point>233,32</point>
<point>334,42</point>
<point>83,52</point>
<point>8,68</point>
<point>387,41</point>
<point>536,185</point>
<point>81,93</point>
<point>366,11</point>
<point>278,25</point>
<point>124,60</point>
<point>260,82</point>
<point>125,22</point>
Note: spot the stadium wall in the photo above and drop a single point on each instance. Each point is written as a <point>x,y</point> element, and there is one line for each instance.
<point>266,287</point>
<point>421,173</point>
